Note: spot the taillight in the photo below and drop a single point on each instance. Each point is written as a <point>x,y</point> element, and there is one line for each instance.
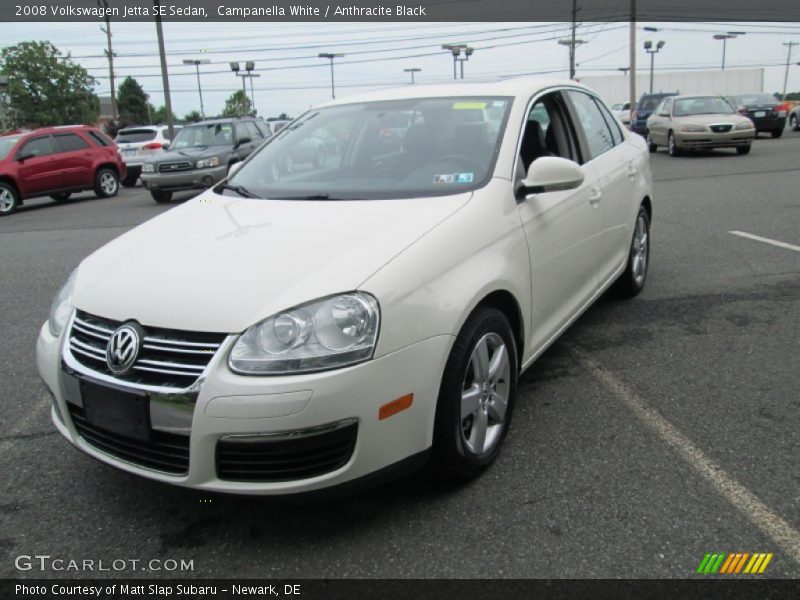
<point>152,146</point>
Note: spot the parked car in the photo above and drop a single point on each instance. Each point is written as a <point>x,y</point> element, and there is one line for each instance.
<point>57,162</point>
<point>136,144</point>
<point>356,321</point>
<point>698,122</point>
<point>622,110</point>
<point>647,103</point>
<point>201,155</point>
<point>794,118</point>
<point>764,110</point>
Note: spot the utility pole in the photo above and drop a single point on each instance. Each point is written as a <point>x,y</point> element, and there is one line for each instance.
<point>197,62</point>
<point>789,45</point>
<point>412,70</point>
<point>164,74</point>
<point>330,56</point>
<point>110,54</point>
<point>573,40</point>
<point>632,50</point>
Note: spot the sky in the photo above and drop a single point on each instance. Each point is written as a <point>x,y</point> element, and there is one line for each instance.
<point>292,77</point>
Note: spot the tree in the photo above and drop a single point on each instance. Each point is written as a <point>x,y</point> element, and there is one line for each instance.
<point>132,102</point>
<point>46,87</point>
<point>237,104</point>
<point>158,116</point>
<point>192,117</point>
<point>284,117</point>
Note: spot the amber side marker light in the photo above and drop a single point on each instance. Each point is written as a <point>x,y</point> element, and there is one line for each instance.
<point>395,406</point>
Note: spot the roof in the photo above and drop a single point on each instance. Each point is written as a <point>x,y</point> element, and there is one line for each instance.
<point>517,86</point>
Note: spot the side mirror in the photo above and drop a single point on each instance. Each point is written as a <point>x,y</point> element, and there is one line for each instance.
<point>25,155</point>
<point>165,146</point>
<point>233,168</point>
<point>550,174</point>
<point>242,141</point>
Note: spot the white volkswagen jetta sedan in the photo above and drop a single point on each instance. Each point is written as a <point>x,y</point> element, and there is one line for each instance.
<point>299,328</point>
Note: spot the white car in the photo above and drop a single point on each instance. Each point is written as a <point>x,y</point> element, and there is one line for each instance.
<point>622,110</point>
<point>283,333</point>
<point>137,144</point>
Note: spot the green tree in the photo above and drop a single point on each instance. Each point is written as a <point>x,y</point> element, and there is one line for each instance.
<point>158,116</point>
<point>284,117</point>
<point>46,87</point>
<point>237,104</point>
<point>132,102</point>
<point>192,117</point>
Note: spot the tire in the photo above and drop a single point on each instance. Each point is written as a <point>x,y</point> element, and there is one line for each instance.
<point>743,149</point>
<point>650,145</point>
<point>161,197</point>
<point>61,197</point>
<point>106,183</point>
<point>130,180</point>
<point>776,133</point>
<point>634,277</point>
<point>672,145</point>
<point>9,199</point>
<point>464,445</point>
<point>794,123</point>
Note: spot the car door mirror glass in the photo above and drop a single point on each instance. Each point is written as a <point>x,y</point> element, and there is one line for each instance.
<point>551,174</point>
<point>243,140</point>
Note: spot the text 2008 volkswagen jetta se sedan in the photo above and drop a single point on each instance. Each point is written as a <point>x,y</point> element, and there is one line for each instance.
<point>305,325</point>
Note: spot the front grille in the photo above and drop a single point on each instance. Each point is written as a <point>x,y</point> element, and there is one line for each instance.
<point>722,128</point>
<point>168,357</point>
<point>165,452</point>
<point>175,167</point>
<point>287,458</point>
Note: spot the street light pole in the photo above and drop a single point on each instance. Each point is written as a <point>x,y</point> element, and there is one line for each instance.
<point>197,62</point>
<point>648,46</point>
<point>455,50</point>
<point>412,70</point>
<point>725,37</point>
<point>789,45</point>
<point>110,53</point>
<point>330,56</point>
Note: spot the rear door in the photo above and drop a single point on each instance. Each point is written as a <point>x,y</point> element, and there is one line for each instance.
<point>75,158</point>
<point>39,172</point>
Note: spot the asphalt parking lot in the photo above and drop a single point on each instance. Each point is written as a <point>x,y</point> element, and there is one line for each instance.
<point>653,432</point>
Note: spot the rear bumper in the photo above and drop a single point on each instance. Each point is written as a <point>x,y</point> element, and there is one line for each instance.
<point>199,179</point>
<point>769,123</point>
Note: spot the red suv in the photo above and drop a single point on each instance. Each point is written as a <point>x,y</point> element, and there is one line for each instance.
<point>55,162</point>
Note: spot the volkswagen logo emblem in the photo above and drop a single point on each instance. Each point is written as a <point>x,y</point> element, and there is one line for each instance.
<point>123,349</point>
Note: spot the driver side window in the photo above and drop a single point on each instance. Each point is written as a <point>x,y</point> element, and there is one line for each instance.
<point>546,133</point>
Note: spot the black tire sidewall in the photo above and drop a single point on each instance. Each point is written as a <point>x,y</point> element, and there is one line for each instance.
<point>451,458</point>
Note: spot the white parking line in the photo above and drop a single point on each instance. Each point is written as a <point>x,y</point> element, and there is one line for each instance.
<point>781,532</point>
<point>758,238</point>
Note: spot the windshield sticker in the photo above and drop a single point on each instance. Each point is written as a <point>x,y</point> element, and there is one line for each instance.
<point>454,178</point>
<point>468,105</point>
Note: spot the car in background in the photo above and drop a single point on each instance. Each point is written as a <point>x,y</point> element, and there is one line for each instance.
<point>201,155</point>
<point>622,110</point>
<point>57,162</point>
<point>646,105</point>
<point>764,110</point>
<point>136,144</point>
<point>794,118</point>
<point>359,320</point>
<point>698,122</point>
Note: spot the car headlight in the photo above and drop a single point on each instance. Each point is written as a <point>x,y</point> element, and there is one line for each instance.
<point>321,335</point>
<point>207,163</point>
<point>744,125</point>
<point>691,127</point>
<point>61,308</point>
<point>148,168</point>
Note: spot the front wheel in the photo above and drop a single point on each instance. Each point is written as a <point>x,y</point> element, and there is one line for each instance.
<point>672,145</point>
<point>650,145</point>
<point>743,149</point>
<point>9,201</point>
<point>776,133</point>
<point>632,280</point>
<point>161,197</point>
<point>476,398</point>
<point>794,123</point>
<point>106,183</point>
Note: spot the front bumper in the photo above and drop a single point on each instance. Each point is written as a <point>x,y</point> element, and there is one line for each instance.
<point>198,179</point>
<point>709,139</point>
<point>225,404</point>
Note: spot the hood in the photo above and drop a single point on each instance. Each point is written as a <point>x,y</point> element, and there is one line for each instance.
<point>713,119</point>
<point>221,264</point>
<point>190,153</point>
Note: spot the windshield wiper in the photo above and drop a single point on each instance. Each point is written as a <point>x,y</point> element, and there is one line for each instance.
<point>320,196</point>
<point>238,189</point>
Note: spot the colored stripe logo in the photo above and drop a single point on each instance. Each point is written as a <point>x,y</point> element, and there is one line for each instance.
<point>734,563</point>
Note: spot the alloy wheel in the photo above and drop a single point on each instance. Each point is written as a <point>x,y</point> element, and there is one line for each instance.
<point>108,183</point>
<point>6,201</point>
<point>639,250</point>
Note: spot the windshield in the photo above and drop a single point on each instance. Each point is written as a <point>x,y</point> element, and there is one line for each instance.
<point>751,99</point>
<point>6,144</point>
<point>208,134</point>
<point>702,105</point>
<point>392,149</point>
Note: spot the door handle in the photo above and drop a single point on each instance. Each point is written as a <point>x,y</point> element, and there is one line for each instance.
<point>594,197</point>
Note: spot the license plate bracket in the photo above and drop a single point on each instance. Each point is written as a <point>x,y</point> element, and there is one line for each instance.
<point>123,412</point>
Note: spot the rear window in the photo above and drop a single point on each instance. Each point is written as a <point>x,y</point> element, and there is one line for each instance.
<point>100,138</point>
<point>6,144</point>
<point>751,99</point>
<point>135,136</point>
